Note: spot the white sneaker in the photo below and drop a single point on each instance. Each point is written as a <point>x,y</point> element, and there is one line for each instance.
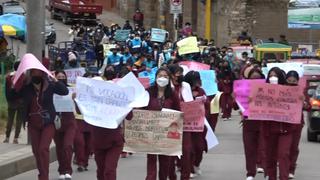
<point>250,178</point>
<point>68,177</point>
<point>193,175</point>
<point>260,170</point>
<point>291,176</point>
<point>197,170</point>
<point>62,177</point>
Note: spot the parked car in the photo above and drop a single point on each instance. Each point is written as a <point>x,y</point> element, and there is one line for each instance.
<point>12,7</point>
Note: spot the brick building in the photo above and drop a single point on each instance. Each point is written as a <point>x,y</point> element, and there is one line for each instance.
<point>261,18</point>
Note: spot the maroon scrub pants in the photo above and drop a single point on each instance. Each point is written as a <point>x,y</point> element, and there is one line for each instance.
<point>294,150</point>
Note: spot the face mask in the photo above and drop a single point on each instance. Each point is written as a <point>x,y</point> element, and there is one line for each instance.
<point>136,38</point>
<point>64,81</point>
<point>114,53</point>
<point>273,80</point>
<point>36,79</point>
<point>162,82</point>
<point>230,54</point>
<point>180,79</point>
<point>289,84</point>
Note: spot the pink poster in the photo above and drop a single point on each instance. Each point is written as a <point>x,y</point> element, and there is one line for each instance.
<point>241,90</point>
<point>276,103</point>
<point>195,65</point>
<point>194,115</point>
<point>29,61</point>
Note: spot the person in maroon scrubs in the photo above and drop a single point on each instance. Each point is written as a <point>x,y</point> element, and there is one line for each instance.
<point>199,142</point>
<point>252,135</point>
<point>83,147</point>
<point>278,137</point>
<point>183,90</point>
<point>293,80</point>
<point>64,136</point>
<point>38,98</point>
<point>108,144</point>
<point>161,96</point>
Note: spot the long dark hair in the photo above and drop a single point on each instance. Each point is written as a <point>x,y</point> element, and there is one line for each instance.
<point>192,77</point>
<point>294,74</point>
<point>281,77</point>
<point>168,90</point>
<point>256,70</point>
<point>61,71</point>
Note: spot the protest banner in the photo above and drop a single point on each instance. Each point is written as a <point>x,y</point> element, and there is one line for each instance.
<point>211,138</point>
<point>64,103</point>
<point>154,132</point>
<point>188,45</point>
<point>215,104</point>
<point>209,84</point>
<point>121,35</point>
<point>276,103</point>
<point>29,61</point>
<point>195,66</point>
<point>297,66</point>
<point>72,74</point>
<point>151,75</point>
<point>311,69</point>
<point>158,35</point>
<point>194,115</point>
<point>241,90</point>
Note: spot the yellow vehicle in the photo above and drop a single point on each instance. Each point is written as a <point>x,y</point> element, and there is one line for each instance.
<point>272,52</point>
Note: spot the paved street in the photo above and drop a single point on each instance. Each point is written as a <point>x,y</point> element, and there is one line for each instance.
<point>225,162</point>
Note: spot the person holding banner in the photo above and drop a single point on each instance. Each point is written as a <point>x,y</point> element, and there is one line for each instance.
<point>184,92</point>
<point>161,96</point>
<point>199,143</point>
<point>293,80</point>
<point>64,136</point>
<point>108,144</point>
<point>37,95</point>
<point>252,135</point>
<point>278,137</point>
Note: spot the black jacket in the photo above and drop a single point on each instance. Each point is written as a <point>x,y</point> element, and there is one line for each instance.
<point>28,92</point>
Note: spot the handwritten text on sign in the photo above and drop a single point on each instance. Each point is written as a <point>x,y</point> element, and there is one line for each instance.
<point>276,103</point>
<point>194,115</point>
<point>72,74</point>
<point>103,104</point>
<point>154,132</point>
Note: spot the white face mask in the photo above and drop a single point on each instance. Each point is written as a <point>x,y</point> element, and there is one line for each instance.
<point>162,82</point>
<point>230,54</point>
<point>273,80</point>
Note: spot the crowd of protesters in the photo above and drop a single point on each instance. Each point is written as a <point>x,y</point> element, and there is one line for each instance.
<point>266,144</point>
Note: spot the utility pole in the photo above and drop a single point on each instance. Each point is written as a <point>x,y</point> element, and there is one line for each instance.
<point>36,28</point>
<point>137,4</point>
<point>162,14</point>
<point>208,20</point>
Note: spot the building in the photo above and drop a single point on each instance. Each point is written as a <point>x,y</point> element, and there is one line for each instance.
<point>262,19</point>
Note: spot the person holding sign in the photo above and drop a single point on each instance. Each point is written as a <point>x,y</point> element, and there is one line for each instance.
<point>199,143</point>
<point>184,92</point>
<point>161,96</point>
<point>64,136</point>
<point>293,80</point>
<point>108,144</point>
<point>253,138</point>
<point>37,95</point>
<point>278,137</point>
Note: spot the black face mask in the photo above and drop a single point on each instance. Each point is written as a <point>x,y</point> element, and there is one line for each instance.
<point>292,84</point>
<point>73,63</point>
<point>180,79</point>
<point>114,53</point>
<point>64,81</point>
<point>36,79</point>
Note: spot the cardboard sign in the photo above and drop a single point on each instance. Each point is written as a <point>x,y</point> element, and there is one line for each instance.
<point>154,132</point>
<point>72,74</point>
<point>194,115</point>
<point>276,103</point>
<point>64,103</point>
<point>209,84</point>
<point>188,45</point>
<point>121,35</point>
<point>241,90</point>
<point>158,35</point>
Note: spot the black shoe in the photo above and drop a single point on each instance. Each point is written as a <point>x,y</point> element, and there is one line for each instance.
<point>81,169</point>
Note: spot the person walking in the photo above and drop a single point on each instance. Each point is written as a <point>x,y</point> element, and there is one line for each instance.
<point>40,115</point>
<point>15,107</point>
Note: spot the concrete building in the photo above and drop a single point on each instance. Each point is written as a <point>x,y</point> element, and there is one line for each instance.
<point>262,19</point>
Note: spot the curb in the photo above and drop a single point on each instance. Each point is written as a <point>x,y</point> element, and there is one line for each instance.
<point>23,164</point>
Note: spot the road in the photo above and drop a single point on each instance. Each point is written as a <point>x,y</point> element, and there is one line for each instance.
<point>224,162</point>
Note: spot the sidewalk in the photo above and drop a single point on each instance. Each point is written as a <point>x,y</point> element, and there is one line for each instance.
<point>18,158</point>
<point>108,17</point>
